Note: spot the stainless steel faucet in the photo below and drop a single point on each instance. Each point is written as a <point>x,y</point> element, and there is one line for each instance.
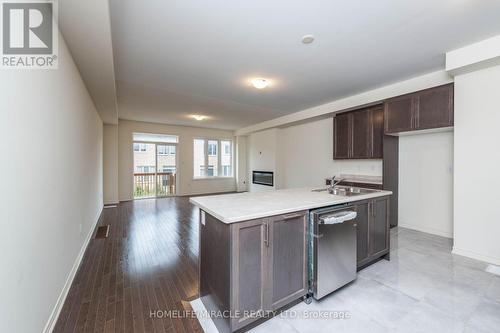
<point>334,182</point>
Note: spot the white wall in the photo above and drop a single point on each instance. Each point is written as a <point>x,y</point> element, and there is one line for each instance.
<point>477,163</point>
<point>241,164</point>
<point>307,156</point>
<point>302,156</point>
<point>186,185</point>
<point>426,183</point>
<point>262,156</point>
<point>51,188</point>
<point>110,163</point>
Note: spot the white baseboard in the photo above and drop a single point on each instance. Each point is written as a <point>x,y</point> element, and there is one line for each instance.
<point>49,327</point>
<point>477,256</point>
<point>438,232</point>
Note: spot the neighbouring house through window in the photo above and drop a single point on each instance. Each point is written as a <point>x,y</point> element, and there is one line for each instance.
<point>208,162</point>
<point>142,147</point>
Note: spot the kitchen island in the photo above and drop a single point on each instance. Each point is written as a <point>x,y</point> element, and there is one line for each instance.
<point>254,248</point>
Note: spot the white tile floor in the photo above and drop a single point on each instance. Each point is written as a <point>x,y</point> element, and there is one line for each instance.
<point>423,288</point>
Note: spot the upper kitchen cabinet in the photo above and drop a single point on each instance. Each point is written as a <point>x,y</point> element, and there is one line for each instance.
<point>398,114</point>
<point>427,109</point>
<point>434,107</point>
<point>358,134</point>
<point>377,132</point>
<point>342,136</point>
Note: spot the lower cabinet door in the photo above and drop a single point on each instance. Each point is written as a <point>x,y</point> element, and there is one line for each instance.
<point>362,253</point>
<point>287,258</point>
<point>379,237</point>
<point>249,270</point>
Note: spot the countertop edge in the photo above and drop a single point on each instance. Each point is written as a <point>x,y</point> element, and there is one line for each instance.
<point>288,210</point>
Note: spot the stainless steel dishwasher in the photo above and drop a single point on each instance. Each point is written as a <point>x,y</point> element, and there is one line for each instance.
<point>332,251</point>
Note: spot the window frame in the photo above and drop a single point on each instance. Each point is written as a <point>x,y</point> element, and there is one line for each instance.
<point>219,158</point>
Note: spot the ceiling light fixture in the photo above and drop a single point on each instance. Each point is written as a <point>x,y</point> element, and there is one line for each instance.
<point>260,83</point>
<point>307,39</point>
<point>198,117</point>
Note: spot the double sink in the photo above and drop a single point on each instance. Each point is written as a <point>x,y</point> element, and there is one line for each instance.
<point>346,191</point>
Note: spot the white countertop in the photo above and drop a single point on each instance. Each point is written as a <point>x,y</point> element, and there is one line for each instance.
<point>230,208</point>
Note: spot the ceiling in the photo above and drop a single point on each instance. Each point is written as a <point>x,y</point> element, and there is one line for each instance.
<point>89,41</point>
<point>180,57</point>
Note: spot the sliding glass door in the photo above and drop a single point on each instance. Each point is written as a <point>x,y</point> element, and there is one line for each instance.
<point>166,169</point>
<point>155,169</point>
<point>144,170</point>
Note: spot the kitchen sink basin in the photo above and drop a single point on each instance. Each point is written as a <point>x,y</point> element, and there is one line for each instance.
<point>346,191</point>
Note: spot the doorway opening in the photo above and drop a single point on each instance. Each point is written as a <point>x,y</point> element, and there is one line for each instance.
<point>155,165</point>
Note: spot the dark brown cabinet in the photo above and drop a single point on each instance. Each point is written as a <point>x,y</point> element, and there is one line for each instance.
<point>342,136</point>
<point>398,114</point>
<point>390,176</point>
<point>362,210</point>
<point>434,107</point>
<point>269,264</point>
<point>249,269</point>
<point>372,230</point>
<point>426,109</point>
<point>358,134</point>
<point>378,227</point>
<point>287,274</point>
<point>377,132</point>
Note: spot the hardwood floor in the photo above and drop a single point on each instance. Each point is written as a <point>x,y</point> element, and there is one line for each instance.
<point>148,263</point>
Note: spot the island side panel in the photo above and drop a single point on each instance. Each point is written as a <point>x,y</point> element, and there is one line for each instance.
<point>214,267</point>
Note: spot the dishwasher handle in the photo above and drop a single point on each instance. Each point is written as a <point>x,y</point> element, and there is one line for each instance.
<point>338,217</point>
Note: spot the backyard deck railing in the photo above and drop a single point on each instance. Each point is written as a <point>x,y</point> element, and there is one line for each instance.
<point>159,184</point>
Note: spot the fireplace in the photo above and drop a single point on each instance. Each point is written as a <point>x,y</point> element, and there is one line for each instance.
<point>263,178</point>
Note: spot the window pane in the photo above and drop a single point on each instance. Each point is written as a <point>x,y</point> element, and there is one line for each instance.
<point>144,158</point>
<point>213,160</point>
<point>199,158</point>
<point>165,160</point>
<point>145,137</point>
<point>226,159</point>
<point>210,172</point>
<point>212,148</point>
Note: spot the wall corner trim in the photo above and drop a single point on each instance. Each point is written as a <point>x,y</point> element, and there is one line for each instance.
<point>56,311</point>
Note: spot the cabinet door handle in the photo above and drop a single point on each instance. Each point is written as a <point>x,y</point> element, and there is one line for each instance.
<point>291,216</point>
<point>266,234</point>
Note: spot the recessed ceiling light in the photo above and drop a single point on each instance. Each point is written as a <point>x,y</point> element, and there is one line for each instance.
<point>198,117</point>
<point>260,83</point>
<point>307,39</point>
